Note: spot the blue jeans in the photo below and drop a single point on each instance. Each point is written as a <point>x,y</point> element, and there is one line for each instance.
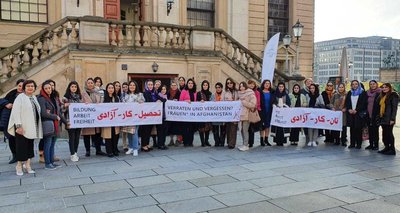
<point>133,139</point>
<point>48,149</point>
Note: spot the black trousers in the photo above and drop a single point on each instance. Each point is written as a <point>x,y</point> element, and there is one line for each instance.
<point>112,143</point>
<point>24,148</point>
<point>219,133</point>
<point>145,131</point>
<point>188,133</point>
<point>294,134</point>
<point>355,133</point>
<point>162,131</point>
<point>73,135</point>
<point>11,142</point>
<point>328,136</point>
<point>41,145</point>
<point>388,137</point>
<point>343,137</point>
<point>96,139</point>
<point>373,134</point>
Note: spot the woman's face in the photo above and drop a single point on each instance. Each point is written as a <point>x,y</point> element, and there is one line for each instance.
<point>164,90</point>
<point>117,86</point>
<point>47,89</point>
<point>267,85</point>
<point>354,85</point>
<point>252,86</point>
<point>229,83</point>
<point>181,82</point>
<point>329,86</point>
<point>132,87</point>
<point>190,84</point>
<point>90,84</point>
<point>341,88</point>
<point>29,89</point>
<point>241,87</point>
<point>73,88</point>
<point>281,88</point>
<point>218,89</point>
<point>150,85</point>
<point>205,86</point>
<point>157,85</point>
<point>373,85</point>
<point>174,86</point>
<point>385,89</point>
<point>296,89</point>
<point>53,86</point>
<point>125,88</point>
<point>110,89</point>
<point>312,89</point>
<point>98,83</point>
<point>19,87</point>
<point>308,82</point>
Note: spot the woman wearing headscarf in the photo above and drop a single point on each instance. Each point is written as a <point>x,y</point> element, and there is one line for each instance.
<point>373,128</point>
<point>204,127</point>
<point>189,95</point>
<point>356,106</point>
<point>338,104</point>
<point>315,100</point>
<point>231,94</point>
<point>267,97</point>
<point>296,100</point>
<point>388,104</point>
<point>327,95</point>
<point>174,127</point>
<point>150,95</point>
<point>281,99</point>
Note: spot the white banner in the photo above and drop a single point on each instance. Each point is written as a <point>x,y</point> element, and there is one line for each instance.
<point>307,117</point>
<point>269,59</point>
<point>209,111</point>
<point>114,114</point>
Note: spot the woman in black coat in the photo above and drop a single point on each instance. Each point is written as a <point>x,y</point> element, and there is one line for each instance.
<point>267,98</point>
<point>388,102</point>
<point>356,107</point>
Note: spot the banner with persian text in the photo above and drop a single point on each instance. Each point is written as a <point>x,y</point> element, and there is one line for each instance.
<point>114,114</point>
<point>307,117</point>
<point>209,111</point>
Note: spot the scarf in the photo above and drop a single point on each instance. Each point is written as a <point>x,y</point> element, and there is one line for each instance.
<point>382,105</point>
<point>313,99</point>
<point>92,94</point>
<point>54,102</point>
<point>162,95</point>
<point>218,96</point>
<point>172,94</point>
<point>73,98</point>
<point>205,95</point>
<point>371,99</point>
<point>329,93</point>
<point>357,91</point>
<point>191,94</point>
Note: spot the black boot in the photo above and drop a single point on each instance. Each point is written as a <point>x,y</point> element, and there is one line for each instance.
<point>262,141</point>
<point>376,145</point>
<point>201,134</point>
<point>384,150</point>
<point>13,159</point>
<point>251,138</point>
<point>266,141</point>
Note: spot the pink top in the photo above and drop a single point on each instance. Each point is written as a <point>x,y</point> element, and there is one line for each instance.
<point>185,96</point>
<point>258,96</point>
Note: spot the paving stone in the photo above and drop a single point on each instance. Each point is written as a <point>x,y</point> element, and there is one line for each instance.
<point>225,170</point>
<point>233,187</point>
<point>12,182</point>
<point>240,198</point>
<point>289,189</point>
<point>61,183</point>
<point>271,181</point>
<point>339,180</point>
<point>373,206</point>
<point>123,176</point>
<point>208,181</point>
<point>380,187</point>
<point>106,186</point>
<point>20,189</point>
<point>265,165</point>
<point>254,175</point>
<point>350,194</point>
<point>55,193</point>
<point>186,194</point>
<point>13,199</point>
<point>147,209</point>
<point>394,179</point>
<point>393,199</point>
<point>75,209</point>
<point>379,173</point>
<point>147,181</point>
<point>307,202</point>
<point>121,204</point>
<point>321,173</point>
<point>98,197</point>
<point>165,187</point>
<point>251,208</point>
<point>231,162</point>
<point>294,169</point>
<point>194,205</point>
<point>47,205</point>
<point>335,210</point>
<point>184,168</point>
<point>180,176</point>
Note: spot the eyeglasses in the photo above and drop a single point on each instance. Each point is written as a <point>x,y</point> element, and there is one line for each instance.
<point>217,87</point>
<point>229,82</point>
<point>173,85</point>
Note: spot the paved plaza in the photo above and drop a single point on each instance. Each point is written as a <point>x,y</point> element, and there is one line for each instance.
<point>275,179</point>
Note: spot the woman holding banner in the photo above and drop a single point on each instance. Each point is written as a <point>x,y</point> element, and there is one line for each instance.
<point>231,94</point>
<point>150,95</point>
<point>91,95</point>
<point>281,100</point>
<point>249,102</point>
<point>188,95</point>
<point>111,134</point>
<point>254,127</point>
<point>297,99</point>
<point>204,127</point>
<point>338,104</point>
<point>72,95</point>
<point>267,99</point>
<point>218,128</point>
<point>356,106</point>
<point>162,129</point>
<point>174,127</point>
<point>133,96</point>
<point>314,100</point>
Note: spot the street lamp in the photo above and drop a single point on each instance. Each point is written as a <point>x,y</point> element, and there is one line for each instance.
<point>286,42</point>
<point>297,31</point>
<point>169,6</point>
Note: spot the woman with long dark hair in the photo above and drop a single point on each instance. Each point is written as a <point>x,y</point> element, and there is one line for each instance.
<point>189,95</point>
<point>204,127</point>
<point>118,89</point>
<point>267,98</point>
<point>72,95</point>
<point>388,102</point>
<point>281,99</point>
<point>314,100</point>
<point>338,104</point>
<point>249,102</point>
<point>219,130</point>
<point>327,95</point>
<point>162,129</point>
<point>231,94</point>
<point>373,128</point>
<point>254,127</point>
<point>356,106</point>
<point>174,128</point>
<point>182,83</point>
<point>297,99</point>
<point>150,95</point>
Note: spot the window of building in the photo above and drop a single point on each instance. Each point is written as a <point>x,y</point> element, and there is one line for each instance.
<point>24,10</point>
<point>201,12</point>
<point>278,17</point>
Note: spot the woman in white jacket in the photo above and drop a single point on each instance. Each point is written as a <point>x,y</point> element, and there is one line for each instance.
<point>25,124</point>
<point>249,102</point>
<point>314,100</point>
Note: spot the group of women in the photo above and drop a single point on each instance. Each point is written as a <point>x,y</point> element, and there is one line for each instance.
<point>25,116</point>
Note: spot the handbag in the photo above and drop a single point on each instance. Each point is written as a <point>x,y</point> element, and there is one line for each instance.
<point>48,128</point>
<point>254,117</point>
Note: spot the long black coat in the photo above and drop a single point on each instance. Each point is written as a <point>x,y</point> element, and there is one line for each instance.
<point>361,108</point>
<point>391,105</point>
<point>4,112</point>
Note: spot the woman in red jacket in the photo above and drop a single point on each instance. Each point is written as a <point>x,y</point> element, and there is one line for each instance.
<point>189,95</point>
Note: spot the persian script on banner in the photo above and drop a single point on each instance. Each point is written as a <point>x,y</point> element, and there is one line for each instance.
<point>307,117</point>
<point>114,114</point>
<point>209,111</point>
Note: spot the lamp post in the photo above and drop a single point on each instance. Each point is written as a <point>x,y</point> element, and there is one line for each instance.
<point>286,42</point>
<point>169,6</point>
<point>297,31</point>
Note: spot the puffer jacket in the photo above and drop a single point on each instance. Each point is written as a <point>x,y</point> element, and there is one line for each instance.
<point>391,107</point>
<point>249,102</point>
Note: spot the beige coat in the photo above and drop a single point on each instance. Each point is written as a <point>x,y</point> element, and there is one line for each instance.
<point>86,98</point>
<point>22,113</point>
<point>249,102</point>
<point>106,132</point>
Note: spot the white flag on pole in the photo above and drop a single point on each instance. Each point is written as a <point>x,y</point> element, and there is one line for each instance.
<point>269,59</point>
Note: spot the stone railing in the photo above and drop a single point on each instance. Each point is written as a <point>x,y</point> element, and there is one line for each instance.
<point>126,36</point>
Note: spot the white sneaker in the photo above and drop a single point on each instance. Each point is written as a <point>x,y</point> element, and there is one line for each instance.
<point>129,151</point>
<point>76,155</point>
<point>314,143</point>
<point>135,152</point>
<point>74,158</point>
<point>310,143</point>
<point>244,148</point>
<point>240,147</point>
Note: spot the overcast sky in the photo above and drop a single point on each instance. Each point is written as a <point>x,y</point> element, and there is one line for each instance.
<point>356,18</point>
